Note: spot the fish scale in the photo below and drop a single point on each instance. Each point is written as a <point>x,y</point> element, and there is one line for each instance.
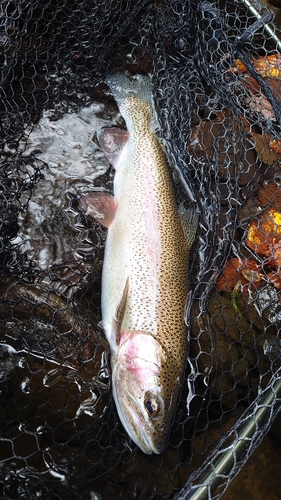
<point>145,271</point>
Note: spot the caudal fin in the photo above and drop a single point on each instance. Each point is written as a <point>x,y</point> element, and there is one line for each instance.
<point>122,86</point>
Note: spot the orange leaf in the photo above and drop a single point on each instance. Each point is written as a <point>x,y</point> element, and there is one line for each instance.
<point>262,146</point>
<point>264,232</point>
<point>275,279</point>
<point>275,146</point>
<point>267,66</point>
<point>270,194</point>
<point>276,255</point>
<point>239,269</point>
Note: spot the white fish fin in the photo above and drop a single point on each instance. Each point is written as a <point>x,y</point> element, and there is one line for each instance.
<point>191,386</point>
<point>189,219</point>
<point>121,310</point>
<point>121,86</point>
<point>100,205</point>
<point>112,141</point>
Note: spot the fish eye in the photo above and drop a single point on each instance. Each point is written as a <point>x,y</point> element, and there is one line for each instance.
<point>152,405</point>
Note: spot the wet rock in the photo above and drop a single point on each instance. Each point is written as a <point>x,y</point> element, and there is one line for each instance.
<point>221,138</point>
<point>23,448</point>
<point>275,3</point>
<point>249,210</point>
<point>165,478</point>
<point>205,442</point>
<point>229,343</point>
<point>273,6</point>
<point>55,365</point>
<point>260,477</point>
<point>43,321</point>
<point>276,427</point>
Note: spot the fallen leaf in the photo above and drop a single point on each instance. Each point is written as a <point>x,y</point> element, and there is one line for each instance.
<point>275,145</point>
<point>275,279</point>
<point>263,149</point>
<point>223,134</point>
<point>260,104</point>
<point>276,255</point>
<point>247,271</point>
<point>265,232</point>
<point>270,195</point>
<point>267,66</point>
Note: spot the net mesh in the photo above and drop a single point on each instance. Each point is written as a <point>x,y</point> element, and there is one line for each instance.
<point>216,79</point>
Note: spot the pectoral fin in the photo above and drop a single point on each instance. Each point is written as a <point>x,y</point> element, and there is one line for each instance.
<point>121,310</point>
<point>189,219</point>
<point>112,141</point>
<point>100,205</point>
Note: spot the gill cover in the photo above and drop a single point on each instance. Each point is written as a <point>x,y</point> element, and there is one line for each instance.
<point>137,390</point>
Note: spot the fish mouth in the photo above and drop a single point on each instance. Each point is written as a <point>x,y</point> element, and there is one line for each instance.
<point>132,425</point>
<point>133,421</point>
<point>144,444</point>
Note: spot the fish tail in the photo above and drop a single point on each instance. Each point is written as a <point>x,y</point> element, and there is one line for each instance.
<point>122,87</point>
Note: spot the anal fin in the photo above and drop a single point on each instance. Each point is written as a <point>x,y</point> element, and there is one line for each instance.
<point>100,205</point>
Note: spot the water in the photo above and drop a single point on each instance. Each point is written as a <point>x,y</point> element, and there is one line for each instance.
<point>51,230</point>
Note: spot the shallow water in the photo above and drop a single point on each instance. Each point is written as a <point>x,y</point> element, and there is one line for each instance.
<point>73,161</point>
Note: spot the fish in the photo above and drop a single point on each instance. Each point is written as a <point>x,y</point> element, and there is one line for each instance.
<point>145,268</point>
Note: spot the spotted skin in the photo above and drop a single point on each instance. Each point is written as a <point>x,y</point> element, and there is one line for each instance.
<point>144,283</point>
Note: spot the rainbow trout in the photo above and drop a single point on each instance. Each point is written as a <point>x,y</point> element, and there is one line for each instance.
<point>145,269</point>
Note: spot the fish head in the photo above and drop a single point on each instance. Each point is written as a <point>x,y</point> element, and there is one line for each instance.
<point>140,391</point>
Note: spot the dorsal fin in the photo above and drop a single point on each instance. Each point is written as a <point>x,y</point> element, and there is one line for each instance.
<point>112,141</point>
